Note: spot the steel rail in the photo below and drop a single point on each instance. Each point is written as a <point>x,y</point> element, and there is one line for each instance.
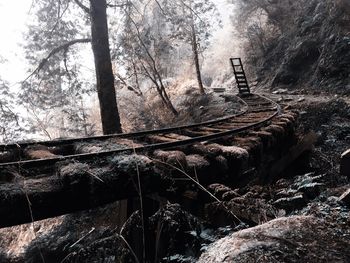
<point>53,143</point>
<point>27,164</point>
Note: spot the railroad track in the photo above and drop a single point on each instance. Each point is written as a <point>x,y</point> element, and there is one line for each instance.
<point>258,111</point>
<point>78,174</point>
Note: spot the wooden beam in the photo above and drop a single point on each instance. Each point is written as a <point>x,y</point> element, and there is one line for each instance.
<point>305,144</point>
<point>75,187</point>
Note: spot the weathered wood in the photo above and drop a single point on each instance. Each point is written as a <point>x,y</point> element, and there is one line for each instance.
<point>126,142</point>
<point>176,136</point>
<point>305,144</point>
<point>8,156</point>
<point>38,152</point>
<point>159,139</point>
<point>75,187</point>
<point>192,133</point>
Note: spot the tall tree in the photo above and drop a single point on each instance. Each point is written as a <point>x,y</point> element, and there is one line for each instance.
<point>192,21</point>
<point>50,94</point>
<point>144,49</point>
<point>103,66</point>
<point>96,15</point>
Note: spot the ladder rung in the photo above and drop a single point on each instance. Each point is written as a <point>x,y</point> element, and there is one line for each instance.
<point>241,79</point>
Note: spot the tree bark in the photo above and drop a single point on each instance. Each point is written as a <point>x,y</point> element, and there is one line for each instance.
<point>103,66</point>
<point>196,59</point>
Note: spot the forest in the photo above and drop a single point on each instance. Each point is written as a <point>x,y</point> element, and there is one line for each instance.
<point>150,46</point>
<point>175,131</point>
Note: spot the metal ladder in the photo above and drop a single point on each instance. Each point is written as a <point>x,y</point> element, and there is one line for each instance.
<point>241,80</point>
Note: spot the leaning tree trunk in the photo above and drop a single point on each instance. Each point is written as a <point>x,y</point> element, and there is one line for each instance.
<point>103,66</point>
<point>196,58</point>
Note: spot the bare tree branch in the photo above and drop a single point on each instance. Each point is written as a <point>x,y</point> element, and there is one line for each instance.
<point>82,6</point>
<point>191,10</point>
<point>60,15</point>
<point>160,7</point>
<point>64,47</point>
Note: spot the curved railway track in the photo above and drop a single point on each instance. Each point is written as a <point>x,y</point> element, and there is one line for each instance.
<point>258,112</point>
<point>35,189</point>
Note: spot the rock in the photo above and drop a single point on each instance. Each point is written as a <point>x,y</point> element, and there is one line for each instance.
<point>345,164</point>
<point>55,238</point>
<point>345,198</point>
<point>288,239</point>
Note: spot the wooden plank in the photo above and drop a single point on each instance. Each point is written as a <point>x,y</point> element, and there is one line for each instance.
<point>74,187</point>
<point>159,139</point>
<point>177,137</point>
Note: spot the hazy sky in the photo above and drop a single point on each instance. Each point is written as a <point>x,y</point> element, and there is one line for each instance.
<point>14,15</point>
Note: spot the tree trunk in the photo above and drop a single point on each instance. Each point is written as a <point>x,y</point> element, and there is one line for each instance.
<point>196,59</point>
<point>103,65</point>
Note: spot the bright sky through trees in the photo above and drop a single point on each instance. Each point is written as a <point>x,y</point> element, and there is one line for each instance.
<point>17,16</point>
<point>13,17</point>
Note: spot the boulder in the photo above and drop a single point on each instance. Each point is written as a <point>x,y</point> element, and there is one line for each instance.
<point>287,239</point>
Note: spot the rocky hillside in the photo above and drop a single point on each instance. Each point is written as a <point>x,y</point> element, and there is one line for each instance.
<point>309,50</point>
